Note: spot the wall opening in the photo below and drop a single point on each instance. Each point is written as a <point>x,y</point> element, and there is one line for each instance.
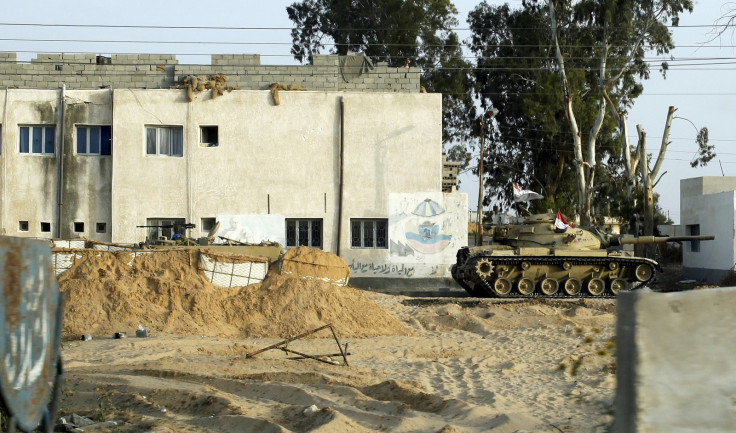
<point>22,226</point>
<point>208,136</point>
<point>694,230</point>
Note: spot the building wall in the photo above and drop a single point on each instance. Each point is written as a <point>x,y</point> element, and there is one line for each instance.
<point>710,203</point>
<point>87,180</point>
<point>163,71</point>
<point>30,182</point>
<point>332,156</point>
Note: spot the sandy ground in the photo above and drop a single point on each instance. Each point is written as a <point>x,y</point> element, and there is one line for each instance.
<point>471,366</point>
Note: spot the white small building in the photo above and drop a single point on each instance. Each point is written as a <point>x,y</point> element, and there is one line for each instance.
<point>708,207</point>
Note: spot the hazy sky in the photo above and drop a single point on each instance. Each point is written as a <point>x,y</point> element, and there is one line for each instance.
<point>702,88</point>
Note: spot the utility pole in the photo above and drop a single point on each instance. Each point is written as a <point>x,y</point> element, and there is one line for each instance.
<point>479,227</point>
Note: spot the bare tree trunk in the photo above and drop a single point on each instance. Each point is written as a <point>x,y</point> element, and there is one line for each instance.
<point>577,142</point>
<point>631,163</point>
<point>646,183</point>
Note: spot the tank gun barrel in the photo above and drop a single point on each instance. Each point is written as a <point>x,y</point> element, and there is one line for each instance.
<point>623,240</point>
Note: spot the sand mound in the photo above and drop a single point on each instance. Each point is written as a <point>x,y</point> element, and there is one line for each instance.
<point>107,292</point>
<point>308,262</point>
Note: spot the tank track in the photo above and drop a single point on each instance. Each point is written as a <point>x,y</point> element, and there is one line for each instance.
<point>471,284</point>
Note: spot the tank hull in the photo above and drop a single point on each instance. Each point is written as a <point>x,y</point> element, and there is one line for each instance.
<point>539,272</point>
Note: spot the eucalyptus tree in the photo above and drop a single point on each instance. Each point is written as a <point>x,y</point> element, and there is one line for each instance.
<point>612,38</point>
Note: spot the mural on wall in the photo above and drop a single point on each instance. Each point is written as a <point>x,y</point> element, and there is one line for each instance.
<point>427,227</point>
<point>252,229</point>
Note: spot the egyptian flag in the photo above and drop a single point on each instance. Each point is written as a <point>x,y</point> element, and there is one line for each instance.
<point>561,224</point>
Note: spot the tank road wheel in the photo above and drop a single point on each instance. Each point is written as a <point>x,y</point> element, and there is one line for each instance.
<point>595,286</point>
<point>502,287</point>
<point>484,268</point>
<point>643,272</point>
<point>572,286</point>
<point>525,286</point>
<point>549,286</point>
<point>618,284</point>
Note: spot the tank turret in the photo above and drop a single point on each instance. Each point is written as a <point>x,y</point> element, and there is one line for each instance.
<point>538,258</point>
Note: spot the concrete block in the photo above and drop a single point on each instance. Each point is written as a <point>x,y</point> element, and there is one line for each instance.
<point>675,368</point>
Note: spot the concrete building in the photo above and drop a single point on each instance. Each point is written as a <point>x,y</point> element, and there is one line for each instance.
<point>352,165</point>
<point>708,207</point>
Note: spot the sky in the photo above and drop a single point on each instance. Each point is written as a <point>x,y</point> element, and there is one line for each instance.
<point>701,86</point>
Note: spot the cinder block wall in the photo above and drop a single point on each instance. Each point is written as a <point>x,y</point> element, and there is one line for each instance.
<point>163,71</point>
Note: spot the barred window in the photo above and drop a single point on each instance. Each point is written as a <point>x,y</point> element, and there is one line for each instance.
<point>369,233</point>
<point>304,232</point>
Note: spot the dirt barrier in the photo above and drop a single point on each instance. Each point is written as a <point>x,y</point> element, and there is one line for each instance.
<point>108,292</point>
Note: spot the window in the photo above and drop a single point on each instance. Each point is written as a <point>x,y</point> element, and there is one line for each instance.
<point>78,227</point>
<point>101,227</point>
<point>369,233</point>
<point>46,227</point>
<point>94,140</point>
<point>207,224</point>
<point>164,141</point>
<point>37,140</point>
<point>304,232</point>
<point>22,226</point>
<point>694,230</point>
<point>208,136</point>
<point>165,227</point>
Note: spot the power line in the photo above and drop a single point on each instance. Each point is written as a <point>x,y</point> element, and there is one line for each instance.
<point>157,27</point>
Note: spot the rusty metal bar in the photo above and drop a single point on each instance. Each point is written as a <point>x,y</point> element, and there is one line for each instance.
<point>344,356</point>
<point>274,346</point>
<point>279,345</point>
<point>304,355</point>
<point>323,355</point>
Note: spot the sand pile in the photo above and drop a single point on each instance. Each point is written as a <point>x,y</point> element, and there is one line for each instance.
<point>308,262</point>
<point>107,292</point>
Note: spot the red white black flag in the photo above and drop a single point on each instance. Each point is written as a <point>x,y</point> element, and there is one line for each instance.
<point>561,224</point>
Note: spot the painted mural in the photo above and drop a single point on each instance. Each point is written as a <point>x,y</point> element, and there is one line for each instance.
<point>427,227</point>
<point>253,229</point>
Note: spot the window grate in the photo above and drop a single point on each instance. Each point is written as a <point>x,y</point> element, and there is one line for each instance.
<point>304,232</point>
<point>369,233</point>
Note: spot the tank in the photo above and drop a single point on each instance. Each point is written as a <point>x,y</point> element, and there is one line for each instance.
<point>536,259</point>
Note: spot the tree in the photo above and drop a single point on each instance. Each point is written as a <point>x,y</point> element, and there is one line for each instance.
<point>515,72</point>
<point>649,178</point>
<point>393,31</point>
<point>614,34</point>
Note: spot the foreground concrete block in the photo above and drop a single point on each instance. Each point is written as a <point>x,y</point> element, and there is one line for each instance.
<point>676,355</point>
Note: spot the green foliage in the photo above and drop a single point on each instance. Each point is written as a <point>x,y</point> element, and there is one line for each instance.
<point>517,72</point>
<point>705,150</point>
<point>105,405</point>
